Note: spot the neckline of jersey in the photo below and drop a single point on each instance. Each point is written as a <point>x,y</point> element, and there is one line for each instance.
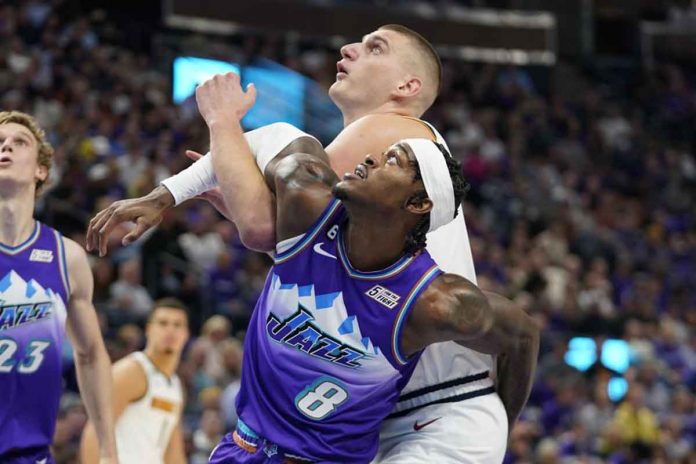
<point>16,249</point>
<point>385,273</point>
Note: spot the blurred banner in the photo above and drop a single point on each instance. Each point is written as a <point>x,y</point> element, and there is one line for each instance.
<point>502,36</point>
<point>283,95</point>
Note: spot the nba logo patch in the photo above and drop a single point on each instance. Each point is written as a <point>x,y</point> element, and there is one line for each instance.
<point>383,296</point>
<point>41,256</point>
<point>270,450</point>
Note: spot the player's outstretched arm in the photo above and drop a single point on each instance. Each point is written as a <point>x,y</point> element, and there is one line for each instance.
<point>453,308</point>
<point>294,178</point>
<point>91,360</point>
<point>517,359</point>
<point>199,181</point>
<point>129,385</point>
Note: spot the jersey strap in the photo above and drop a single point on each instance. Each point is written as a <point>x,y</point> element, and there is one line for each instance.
<point>331,209</point>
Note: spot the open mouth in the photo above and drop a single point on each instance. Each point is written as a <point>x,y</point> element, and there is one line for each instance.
<point>341,69</point>
<point>361,171</point>
<point>4,160</point>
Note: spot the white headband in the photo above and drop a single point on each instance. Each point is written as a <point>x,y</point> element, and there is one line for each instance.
<point>436,179</point>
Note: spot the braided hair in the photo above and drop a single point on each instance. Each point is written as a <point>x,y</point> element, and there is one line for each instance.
<point>416,239</point>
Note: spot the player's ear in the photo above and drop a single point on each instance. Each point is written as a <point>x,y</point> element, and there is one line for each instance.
<point>419,204</point>
<point>409,87</point>
<point>41,173</point>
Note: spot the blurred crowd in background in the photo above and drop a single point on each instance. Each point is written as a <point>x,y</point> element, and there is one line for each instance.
<point>582,210</point>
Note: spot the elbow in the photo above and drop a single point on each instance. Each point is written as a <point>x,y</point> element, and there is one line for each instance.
<point>90,354</point>
<point>258,235</point>
<point>529,336</point>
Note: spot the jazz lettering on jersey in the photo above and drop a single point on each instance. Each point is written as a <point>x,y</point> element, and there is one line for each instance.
<point>15,315</point>
<point>298,331</point>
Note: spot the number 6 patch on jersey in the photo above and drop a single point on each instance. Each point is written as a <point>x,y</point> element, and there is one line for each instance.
<point>321,398</point>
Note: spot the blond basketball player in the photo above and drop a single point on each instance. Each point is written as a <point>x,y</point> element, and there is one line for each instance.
<point>46,290</point>
<point>148,398</point>
<point>451,410</point>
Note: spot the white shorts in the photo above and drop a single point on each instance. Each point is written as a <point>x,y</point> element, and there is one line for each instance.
<point>472,431</point>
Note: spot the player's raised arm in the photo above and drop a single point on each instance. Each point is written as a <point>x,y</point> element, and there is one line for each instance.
<point>453,308</point>
<point>300,177</point>
<point>91,360</point>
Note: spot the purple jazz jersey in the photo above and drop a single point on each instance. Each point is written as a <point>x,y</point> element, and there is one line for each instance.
<point>323,366</point>
<point>33,296</point>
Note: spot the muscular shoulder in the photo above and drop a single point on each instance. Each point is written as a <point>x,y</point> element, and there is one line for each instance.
<point>390,127</point>
<point>439,300</point>
<point>130,379</point>
<point>450,308</point>
<point>372,134</point>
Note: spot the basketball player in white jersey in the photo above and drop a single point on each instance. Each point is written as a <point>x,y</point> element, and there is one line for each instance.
<point>451,410</point>
<point>148,398</point>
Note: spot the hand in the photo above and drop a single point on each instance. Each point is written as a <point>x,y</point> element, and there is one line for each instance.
<point>109,457</point>
<point>104,460</point>
<point>221,99</point>
<point>145,212</point>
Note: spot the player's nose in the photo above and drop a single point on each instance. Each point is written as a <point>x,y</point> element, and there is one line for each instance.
<point>349,51</point>
<point>370,161</point>
<point>6,145</point>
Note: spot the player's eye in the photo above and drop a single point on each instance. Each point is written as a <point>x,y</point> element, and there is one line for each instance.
<point>376,49</point>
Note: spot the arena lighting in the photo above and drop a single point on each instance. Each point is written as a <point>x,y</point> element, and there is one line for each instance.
<point>615,355</point>
<point>582,354</point>
<point>189,71</point>
<point>617,388</point>
<point>280,91</point>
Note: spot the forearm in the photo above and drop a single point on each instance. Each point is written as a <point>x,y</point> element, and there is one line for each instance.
<point>89,446</point>
<point>94,378</point>
<point>515,375</point>
<point>246,195</point>
<point>514,337</point>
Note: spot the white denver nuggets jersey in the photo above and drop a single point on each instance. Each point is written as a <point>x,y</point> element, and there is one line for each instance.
<point>145,427</point>
<point>448,371</point>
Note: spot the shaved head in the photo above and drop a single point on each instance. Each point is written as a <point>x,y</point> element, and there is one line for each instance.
<point>424,62</point>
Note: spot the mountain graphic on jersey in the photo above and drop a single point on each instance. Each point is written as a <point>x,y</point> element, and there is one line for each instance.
<point>23,302</point>
<point>320,326</point>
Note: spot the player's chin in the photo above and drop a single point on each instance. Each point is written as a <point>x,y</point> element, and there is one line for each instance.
<point>335,89</point>
<point>342,190</point>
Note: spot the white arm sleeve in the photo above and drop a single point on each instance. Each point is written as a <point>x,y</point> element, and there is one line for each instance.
<point>265,143</point>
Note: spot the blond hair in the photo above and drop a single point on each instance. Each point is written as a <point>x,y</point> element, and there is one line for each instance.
<point>427,58</point>
<point>45,155</point>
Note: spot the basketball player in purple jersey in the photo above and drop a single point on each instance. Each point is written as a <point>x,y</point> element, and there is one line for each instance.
<point>352,299</point>
<point>383,85</point>
<point>45,288</point>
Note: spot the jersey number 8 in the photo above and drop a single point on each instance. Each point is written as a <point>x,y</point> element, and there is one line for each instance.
<point>321,398</point>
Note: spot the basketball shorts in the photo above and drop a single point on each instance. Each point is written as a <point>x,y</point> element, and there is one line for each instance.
<point>471,431</point>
